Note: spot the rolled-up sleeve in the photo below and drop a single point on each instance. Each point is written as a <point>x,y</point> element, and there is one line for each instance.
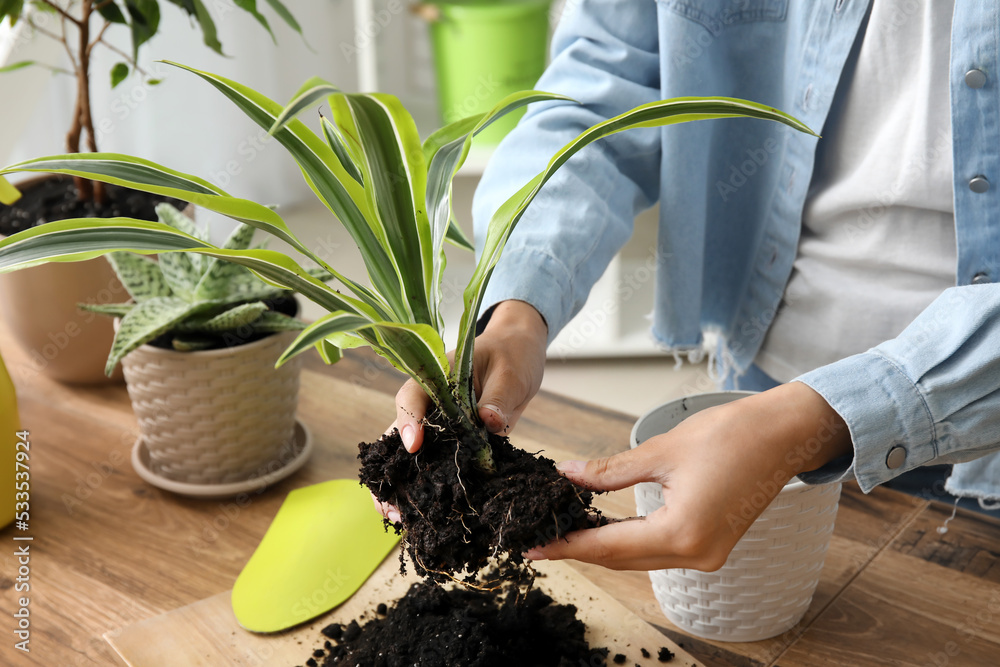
<point>605,56</point>
<point>929,396</point>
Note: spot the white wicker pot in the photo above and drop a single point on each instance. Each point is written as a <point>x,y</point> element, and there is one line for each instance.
<point>769,578</point>
<point>214,416</point>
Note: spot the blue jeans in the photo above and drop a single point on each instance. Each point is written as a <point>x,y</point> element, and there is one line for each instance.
<point>925,482</point>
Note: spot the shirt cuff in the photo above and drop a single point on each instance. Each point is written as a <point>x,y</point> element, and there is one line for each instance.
<point>537,278</point>
<point>888,419</point>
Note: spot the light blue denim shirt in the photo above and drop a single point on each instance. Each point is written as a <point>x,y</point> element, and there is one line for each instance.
<point>731,196</point>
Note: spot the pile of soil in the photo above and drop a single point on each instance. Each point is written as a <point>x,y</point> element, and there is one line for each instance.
<point>455,516</point>
<point>55,199</point>
<point>434,625</point>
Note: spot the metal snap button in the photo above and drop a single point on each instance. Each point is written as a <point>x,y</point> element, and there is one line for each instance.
<point>981,278</point>
<point>896,457</point>
<point>975,78</point>
<point>979,184</point>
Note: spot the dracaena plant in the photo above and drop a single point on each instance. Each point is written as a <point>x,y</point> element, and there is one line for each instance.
<point>392,192</point>
<point>199,302</point>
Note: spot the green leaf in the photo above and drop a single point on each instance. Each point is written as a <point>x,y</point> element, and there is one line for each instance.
<point>118,74</point>
<point>81,239</point>
<point>141,276</point>
<point>335,322</point>
<point>285,15</point>
<point>148,320</point>
<point>139,174</point>
<point>392,164</point>
<point>308,94</point>
<point>192,342</point>
<point>168,214</point>
<point>339,147</point>
<point>8,193</point>
<point>145,15</point>
<point>12,9</point>
<point>181,270</point>
<point>445,151</point>
<point>274,322</point>
<point>109,309</point>
<point>331,183</point>
<point>209,33</point>
<point>33,63</point>
<point>238,316</point>
<point>250,6</point>
<point>328,352</point>
<point>222,277</point>
<point>19,65</point>
<point>504,220</point>
<point>111,12</point>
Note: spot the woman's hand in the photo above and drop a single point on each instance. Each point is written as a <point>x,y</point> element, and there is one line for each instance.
<point>719,470</point>
<point>508,364</point>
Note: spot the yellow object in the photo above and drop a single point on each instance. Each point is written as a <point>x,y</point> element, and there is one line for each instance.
<point>325,541</point>
<point>9,426</point>
<point>8,193</point>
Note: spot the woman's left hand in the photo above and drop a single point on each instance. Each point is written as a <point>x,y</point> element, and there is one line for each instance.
<point>719,469</point>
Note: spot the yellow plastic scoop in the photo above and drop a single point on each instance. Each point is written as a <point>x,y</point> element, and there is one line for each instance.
<point>325,541</point>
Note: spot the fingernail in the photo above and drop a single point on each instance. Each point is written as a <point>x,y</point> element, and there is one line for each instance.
<point>393,515</point>
<point>571,466</point>
<point>534,554</point>
<point>497,411</point>
<point>407,435</point>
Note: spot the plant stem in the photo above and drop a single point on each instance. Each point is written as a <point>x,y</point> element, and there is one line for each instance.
<point>470,432</point>
<point>82,120</point>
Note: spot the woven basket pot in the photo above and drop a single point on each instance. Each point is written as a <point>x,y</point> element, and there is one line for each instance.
<point>769,578</point>
<point>214,416</point>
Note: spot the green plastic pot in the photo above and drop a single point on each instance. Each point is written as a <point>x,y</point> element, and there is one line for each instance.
<point>483,51</point>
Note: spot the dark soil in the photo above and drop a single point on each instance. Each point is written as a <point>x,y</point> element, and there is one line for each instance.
<point>55,199</point>
<point>436,626</point>
<point>456,516</point>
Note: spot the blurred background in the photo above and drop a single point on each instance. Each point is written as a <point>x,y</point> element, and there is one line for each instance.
<point>605,356</point>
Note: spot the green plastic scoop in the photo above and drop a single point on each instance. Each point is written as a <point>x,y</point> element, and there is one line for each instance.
<point>325,541</point>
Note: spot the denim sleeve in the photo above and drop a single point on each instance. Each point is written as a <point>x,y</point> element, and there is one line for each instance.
<point>934,390</point>
<point>605,56</point>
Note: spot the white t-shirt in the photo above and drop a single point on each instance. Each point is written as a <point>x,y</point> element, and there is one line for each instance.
<point>878,229</point>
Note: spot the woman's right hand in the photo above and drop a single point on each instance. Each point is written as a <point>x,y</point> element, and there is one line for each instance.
<point>508,362</point>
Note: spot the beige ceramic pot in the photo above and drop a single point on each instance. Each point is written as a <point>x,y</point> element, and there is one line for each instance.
<point>214,417</point>
<point>40,307</point>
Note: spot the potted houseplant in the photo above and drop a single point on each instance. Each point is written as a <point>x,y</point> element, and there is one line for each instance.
<point>468,495</point>
<point>62,342</point>
<point>198,342</point>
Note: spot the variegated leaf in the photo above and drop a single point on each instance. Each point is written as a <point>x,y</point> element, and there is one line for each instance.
<point>140,275</point>
<point>652,114</point>
<point>274,322</point>
<point>232,318</point>
<point>169,214</point>
<point>222,277</point>
<point>109,309</point>
<point>146,321</point>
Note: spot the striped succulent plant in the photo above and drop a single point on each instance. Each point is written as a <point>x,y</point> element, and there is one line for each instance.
<point>391,192</point>
<point>199,302</point>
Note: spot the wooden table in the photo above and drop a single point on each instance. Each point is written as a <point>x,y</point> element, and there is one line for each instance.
<point>109,550</point>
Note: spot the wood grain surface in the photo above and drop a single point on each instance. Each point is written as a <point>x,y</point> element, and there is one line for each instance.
<point>110,551</point>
